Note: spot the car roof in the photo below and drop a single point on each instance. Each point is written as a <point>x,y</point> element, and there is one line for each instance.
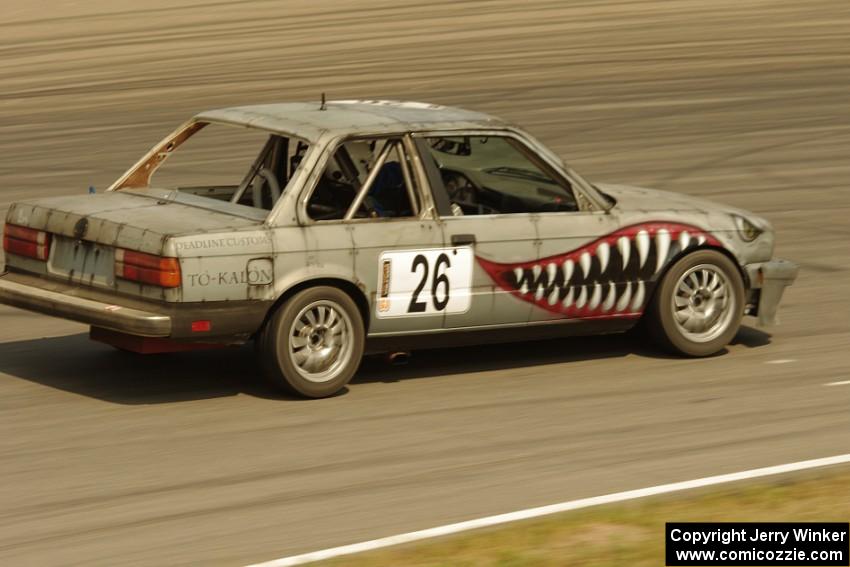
<point>308,120</point>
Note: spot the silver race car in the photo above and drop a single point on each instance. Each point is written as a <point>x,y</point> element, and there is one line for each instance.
<point>323,231</point>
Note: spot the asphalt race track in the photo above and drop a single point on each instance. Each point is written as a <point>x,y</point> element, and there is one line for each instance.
<point>111,459</point>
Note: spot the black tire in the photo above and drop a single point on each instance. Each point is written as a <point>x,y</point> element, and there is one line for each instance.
<point>285,362</point>
<point>666,317</point>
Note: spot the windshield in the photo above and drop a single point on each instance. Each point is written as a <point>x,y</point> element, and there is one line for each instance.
<point>222,162</point>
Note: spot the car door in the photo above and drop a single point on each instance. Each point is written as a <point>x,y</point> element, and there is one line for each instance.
<point>367,212</point>
<point>457,164</point>
<point>528,221</point>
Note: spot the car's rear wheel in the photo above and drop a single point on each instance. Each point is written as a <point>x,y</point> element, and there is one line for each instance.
<point>697,308</point>
<point>313,343</point>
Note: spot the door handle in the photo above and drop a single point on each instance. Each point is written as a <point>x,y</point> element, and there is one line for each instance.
<point>462,239</point>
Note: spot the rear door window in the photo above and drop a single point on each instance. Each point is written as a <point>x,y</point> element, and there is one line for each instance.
<point>365,178</point>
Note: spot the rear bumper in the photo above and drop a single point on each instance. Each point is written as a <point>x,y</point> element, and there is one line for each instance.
<point>230,322</point>
<point>770,279</point>
<point>95,313</point>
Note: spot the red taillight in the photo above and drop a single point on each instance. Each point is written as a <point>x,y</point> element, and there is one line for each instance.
<point>147,268</point>
<point>27,242</point>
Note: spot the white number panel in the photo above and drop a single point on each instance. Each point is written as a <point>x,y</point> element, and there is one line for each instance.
<point>424,282</point>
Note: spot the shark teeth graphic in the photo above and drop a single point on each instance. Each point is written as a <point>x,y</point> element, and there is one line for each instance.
<point>568,300</point>
<point>584,262</point>
<point>612,276</point>
<point>553,295</point>
<point>596,297</point>
<point>582,297</point>
<point>624,247</point>
<point>642,243</point>
<point>603,252</point>
<point>625,298</point>
<point>610,298</point>
<point>569,266</point>
<point>662,247</point>
<point>539,291</point>
<point>637,302</point>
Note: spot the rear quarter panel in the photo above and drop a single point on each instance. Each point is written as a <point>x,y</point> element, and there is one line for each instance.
<point>225,266</point>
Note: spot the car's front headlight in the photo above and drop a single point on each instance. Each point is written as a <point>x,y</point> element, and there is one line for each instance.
<point>746,229</point>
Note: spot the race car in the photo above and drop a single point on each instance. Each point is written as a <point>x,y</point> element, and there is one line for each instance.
<point>352,227</point>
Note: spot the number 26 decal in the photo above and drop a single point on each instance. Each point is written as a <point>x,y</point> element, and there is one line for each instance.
<point>439,279</point>
<point>424,282</point>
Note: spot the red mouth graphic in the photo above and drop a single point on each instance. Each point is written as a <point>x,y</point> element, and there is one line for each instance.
<point>610,277</point>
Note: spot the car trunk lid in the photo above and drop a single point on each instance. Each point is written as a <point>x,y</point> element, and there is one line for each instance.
<point>87,229</point>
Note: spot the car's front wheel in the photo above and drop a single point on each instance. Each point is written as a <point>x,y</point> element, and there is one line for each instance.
<point>697,308</point>
<point>313,343</point>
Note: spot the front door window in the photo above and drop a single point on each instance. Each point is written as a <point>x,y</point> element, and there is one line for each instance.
<point>497,175</point>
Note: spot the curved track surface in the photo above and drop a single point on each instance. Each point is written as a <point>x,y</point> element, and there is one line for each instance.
<point>187,459</point>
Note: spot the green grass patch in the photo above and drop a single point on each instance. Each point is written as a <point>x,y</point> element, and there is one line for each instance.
<point>630,533</point>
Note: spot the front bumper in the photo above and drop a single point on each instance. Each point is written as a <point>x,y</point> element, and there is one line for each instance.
<point>770,279</point>
<point>95,313</point>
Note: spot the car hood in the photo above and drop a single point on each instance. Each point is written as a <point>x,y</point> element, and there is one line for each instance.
<point>642,198</point>
<point>137,220</point>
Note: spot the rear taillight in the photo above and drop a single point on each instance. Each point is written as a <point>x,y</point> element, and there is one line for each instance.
<point>147,268</point>
<point>27,242</point>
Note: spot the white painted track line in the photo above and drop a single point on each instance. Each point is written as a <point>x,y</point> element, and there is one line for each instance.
<point>842,383</point>
<point>550,509</point>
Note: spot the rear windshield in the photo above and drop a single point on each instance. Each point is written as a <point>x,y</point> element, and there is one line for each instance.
<point>230,164</point>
